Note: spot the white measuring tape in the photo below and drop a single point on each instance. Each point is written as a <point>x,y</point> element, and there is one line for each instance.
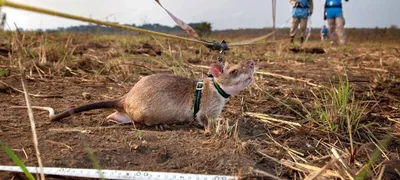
<point>117,174</point>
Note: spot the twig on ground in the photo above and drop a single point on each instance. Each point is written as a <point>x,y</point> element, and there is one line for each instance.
<point>282,116</point>
<point>345,167</point>
<point>396,120</point>
<point>286,148</point>
<point>33,95</point>
<point>386,95</point>
<point>321,158</point>
<point>265,117</point>
<point>307,168</point>
<point>89,129</point>
<point>379,147</point>
<point>266,174</point>
<point>395,108</point>
<point>301,167</point>
<point>71,71</point>
<point>315,174</point>
<point>381,172</point>
<point>26,155</point>
<point>23,150</point>
<point>31,119</point>
<point>367,68</point>
<point>59,143</point>
<point>269,157</point>
<point>51,110</point>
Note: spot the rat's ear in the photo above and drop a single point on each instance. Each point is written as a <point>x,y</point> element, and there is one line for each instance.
<point>226,66</point>
<point>216,70</point>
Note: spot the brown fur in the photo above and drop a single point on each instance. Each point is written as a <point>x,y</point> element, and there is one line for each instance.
<point>163,102</point>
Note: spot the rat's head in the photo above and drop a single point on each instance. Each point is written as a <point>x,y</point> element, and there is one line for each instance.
<point>233,78</point>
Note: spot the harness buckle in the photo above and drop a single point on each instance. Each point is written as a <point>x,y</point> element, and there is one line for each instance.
<point>219,46</point>
<point>199,85</point>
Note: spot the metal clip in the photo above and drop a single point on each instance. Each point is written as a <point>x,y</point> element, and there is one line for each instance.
<point>219,46</point>
<point>223,47</point>
<point>199,85</point>
<point>220,59</point>
<point>222,52</point>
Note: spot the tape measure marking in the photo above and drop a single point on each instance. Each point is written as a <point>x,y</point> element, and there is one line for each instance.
<point>117,174</point>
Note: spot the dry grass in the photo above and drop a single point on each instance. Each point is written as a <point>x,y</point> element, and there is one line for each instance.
<point>333,118</point>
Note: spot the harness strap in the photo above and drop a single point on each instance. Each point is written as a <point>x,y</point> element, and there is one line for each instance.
<point>199,88</point>
<point>220,90</point>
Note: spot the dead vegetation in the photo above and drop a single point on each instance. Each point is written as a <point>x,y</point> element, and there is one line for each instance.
<point>308,115</point>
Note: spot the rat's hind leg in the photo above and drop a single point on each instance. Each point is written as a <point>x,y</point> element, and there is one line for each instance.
<point>119,117</point>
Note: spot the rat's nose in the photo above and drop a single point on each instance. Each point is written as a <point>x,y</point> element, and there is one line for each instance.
<point>251,64</point>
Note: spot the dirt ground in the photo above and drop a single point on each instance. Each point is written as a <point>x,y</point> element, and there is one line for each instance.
<point>95,69</point>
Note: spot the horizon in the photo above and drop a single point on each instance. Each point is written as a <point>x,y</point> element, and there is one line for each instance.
<point>233,29</point>
<point>236,15</point>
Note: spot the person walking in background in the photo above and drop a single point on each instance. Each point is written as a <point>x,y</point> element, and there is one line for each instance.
<point>324,33</point>
<point>301,10</point>
<point>334,16</point>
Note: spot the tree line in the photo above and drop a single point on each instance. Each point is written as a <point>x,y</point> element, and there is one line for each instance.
<point>202,28</point>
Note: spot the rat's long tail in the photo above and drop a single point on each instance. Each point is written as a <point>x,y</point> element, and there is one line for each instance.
<point>98,105</point>
<point>113,104</point>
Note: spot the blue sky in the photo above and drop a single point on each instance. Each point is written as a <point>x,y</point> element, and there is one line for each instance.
<point>223,14</point>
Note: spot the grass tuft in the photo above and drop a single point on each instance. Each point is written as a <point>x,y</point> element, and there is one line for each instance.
<point>221,127</point>
<point>336,109</point>
<point>17,161</point>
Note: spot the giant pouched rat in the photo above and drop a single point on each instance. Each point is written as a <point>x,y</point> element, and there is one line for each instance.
<point>162,99</point>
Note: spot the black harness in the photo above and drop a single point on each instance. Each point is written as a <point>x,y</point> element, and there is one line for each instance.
<point>199,88</point>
